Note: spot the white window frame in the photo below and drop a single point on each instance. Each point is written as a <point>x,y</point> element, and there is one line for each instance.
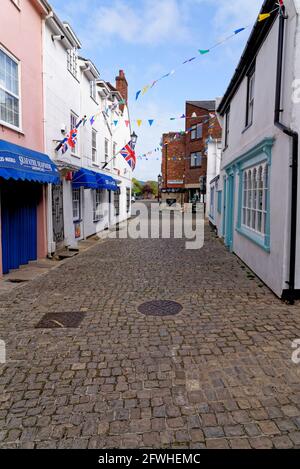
<point>227,127</point>
<point>106,150</point>
<point>250,97</point>
<point>114,153</point>
<point>76,204</point>
<point>72,61</point>
<point>18,97</point>
<point>117,200</point>
<point>93,90</point>
<point>94,146</point>
<point>98,205</point>
<point>73,123</point>
<point>255,190</point>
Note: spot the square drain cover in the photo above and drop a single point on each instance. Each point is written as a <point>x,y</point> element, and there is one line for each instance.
<point>60,320</point>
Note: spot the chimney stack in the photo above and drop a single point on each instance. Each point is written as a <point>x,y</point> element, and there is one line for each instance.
<point>122,87</point>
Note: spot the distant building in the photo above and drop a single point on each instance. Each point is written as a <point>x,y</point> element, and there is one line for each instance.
<point>184,154</point>
<point>173,169</point>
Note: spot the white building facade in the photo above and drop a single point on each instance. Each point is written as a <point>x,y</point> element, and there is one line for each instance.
<point>95,189</point>
<point>257,186</point>
<point>214,152</point>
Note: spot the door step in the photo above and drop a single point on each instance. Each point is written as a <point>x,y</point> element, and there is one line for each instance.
<point>65,254</point>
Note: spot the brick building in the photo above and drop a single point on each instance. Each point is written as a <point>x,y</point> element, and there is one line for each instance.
<point>184,161</point>
<point>173,167</point>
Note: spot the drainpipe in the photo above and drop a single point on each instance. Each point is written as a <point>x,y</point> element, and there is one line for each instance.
<point>294,166</point>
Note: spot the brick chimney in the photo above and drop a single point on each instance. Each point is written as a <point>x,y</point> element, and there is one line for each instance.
<point>122,87</point>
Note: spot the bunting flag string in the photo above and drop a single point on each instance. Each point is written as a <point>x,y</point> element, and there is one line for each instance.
<point>179,135</point>
<point>202,52</point>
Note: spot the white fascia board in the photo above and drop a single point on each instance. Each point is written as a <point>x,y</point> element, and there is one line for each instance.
<point>72,33</point>
<point>58,28</point>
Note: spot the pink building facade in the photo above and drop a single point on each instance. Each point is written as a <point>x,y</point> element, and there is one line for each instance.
<point>24,170</point>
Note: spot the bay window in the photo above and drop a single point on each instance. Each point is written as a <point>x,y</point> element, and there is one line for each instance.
<point>255,197</point>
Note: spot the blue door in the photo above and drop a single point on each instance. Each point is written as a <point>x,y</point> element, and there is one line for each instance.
<point>229,212</point>
<point>18,223</point>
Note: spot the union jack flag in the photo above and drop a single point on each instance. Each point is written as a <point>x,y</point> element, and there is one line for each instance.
<point>128,154</point>
<point>72,138</point>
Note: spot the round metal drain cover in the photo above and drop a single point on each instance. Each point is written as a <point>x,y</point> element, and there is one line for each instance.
<point>160,308</point>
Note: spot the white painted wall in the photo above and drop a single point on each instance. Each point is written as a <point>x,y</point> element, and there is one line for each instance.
<point>271,267</point>
<point>63,94</point>
<point>214,151</point>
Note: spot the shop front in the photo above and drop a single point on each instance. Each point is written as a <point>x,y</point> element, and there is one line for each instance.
<point>24,177</point>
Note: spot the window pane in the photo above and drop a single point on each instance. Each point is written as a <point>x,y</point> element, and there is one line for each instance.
<point>2,68</point>
<point>199,131</point>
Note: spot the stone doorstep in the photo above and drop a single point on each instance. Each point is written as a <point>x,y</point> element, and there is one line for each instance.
<point>26,273</point>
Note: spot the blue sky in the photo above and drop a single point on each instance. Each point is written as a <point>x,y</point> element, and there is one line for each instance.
<point>148,38</point>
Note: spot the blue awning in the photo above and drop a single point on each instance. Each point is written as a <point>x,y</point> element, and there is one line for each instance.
<point>20,163</point>
<point>106,182</point>
<point>85,178</point>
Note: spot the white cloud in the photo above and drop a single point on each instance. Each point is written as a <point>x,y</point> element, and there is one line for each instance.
<point>148,22</point>
<point>230,14</point>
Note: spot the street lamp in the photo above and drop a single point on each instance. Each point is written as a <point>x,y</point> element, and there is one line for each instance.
<point>134,138</point>
<point>159,180</point>
<point>202,181</point>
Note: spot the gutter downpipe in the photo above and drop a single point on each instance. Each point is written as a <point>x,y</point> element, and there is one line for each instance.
<point>294,166</point>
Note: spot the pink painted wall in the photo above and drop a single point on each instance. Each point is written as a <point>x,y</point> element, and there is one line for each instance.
<point>21,35</point>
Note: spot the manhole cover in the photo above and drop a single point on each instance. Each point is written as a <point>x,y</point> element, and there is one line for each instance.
<point>60,320</point>
<point>160,308</point>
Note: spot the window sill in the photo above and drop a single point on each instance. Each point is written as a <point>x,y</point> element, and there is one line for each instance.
<point>11,127</point>
<point>259,240</point>
<point>247,127</point>
<point>195,167</point>
<point>75,156</point>
<point>77,221</point>
<point>96,165</point>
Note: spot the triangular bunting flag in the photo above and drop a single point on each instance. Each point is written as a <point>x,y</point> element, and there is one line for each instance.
<point>137,95</point>
<point>139,122</point>
<point>237,31</point>
<point>204,51</point>
<point>127,123</point>
<point>150,122</point>
<point>145,89</point>
<point>183,116</point>
<point>116,123</point>
<point>264,16</point>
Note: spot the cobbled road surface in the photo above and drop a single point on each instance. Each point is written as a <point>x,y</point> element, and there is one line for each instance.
<point>217,375</point>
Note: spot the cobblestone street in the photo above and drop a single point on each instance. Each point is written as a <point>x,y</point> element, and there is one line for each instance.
<point>217,375</point>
